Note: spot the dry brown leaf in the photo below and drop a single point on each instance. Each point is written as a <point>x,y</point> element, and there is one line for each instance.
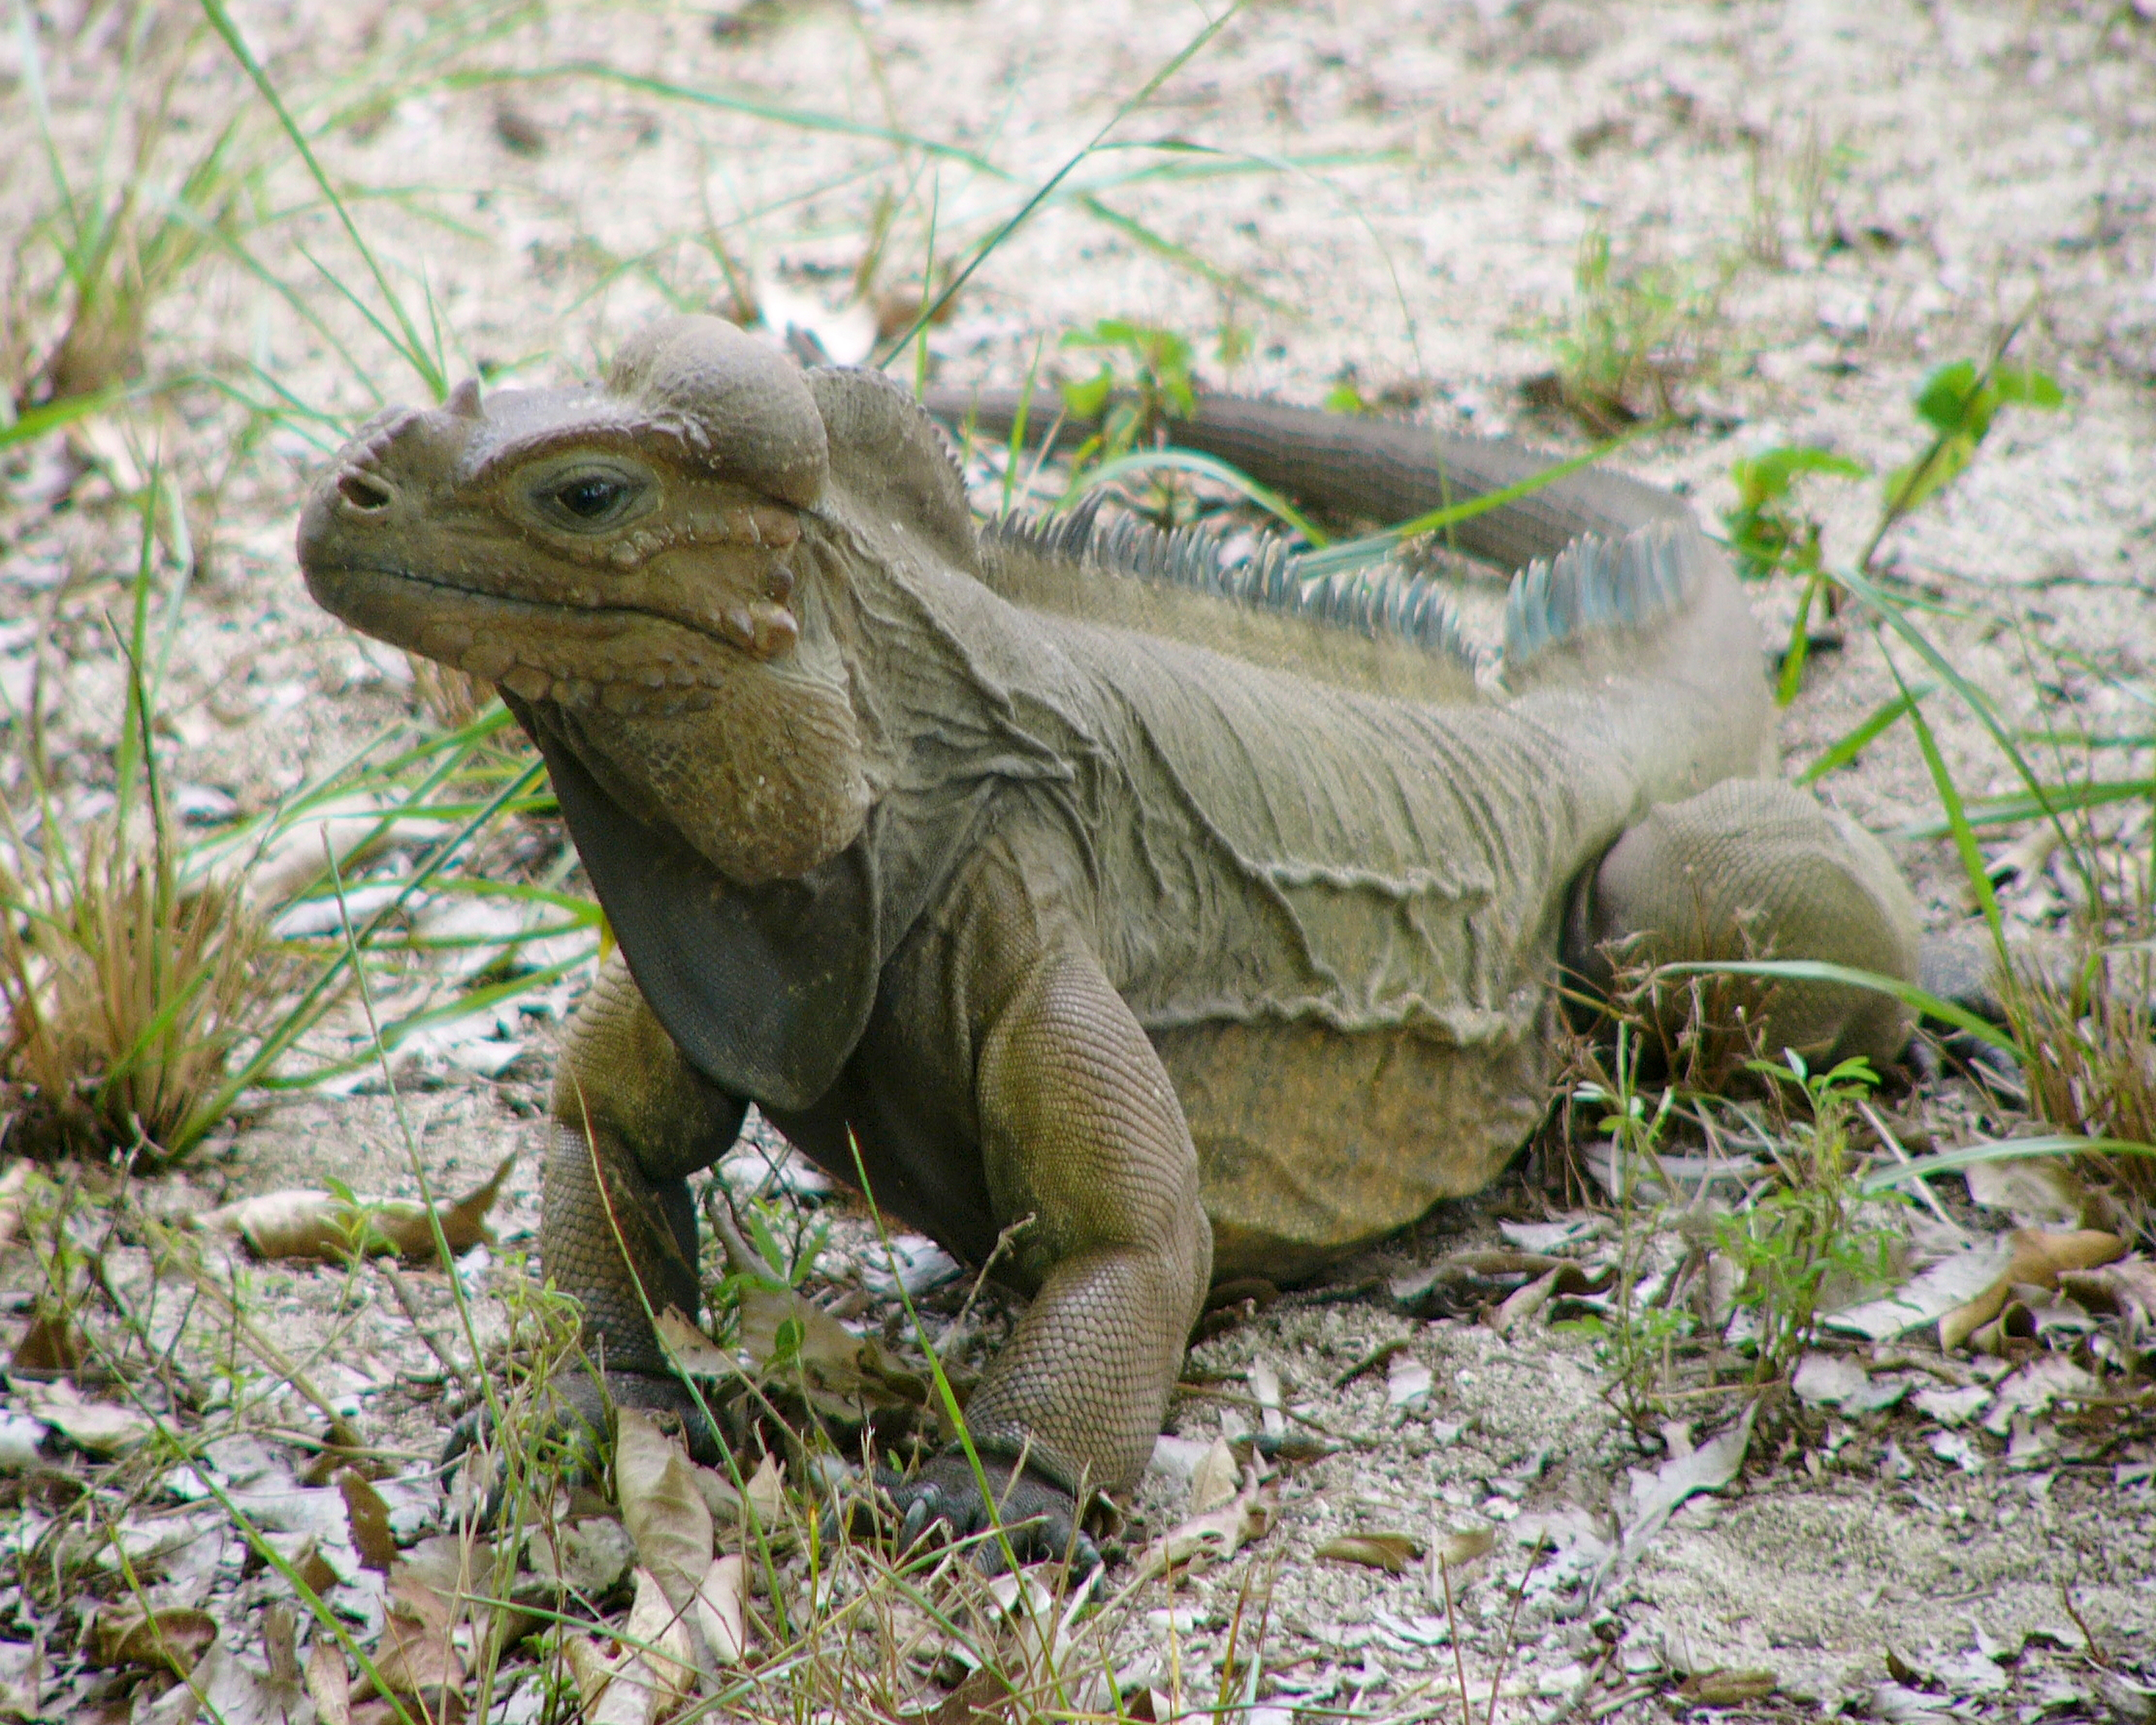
<point>328,1683</point>
<point>95,1428</point>
<point>1390,1552</point>
<point>1216,1478</point>
<point>1463,1547</point>
<point>721,1612</point>
<point>1217,1535</point>
<point>694,1353</point>
<point>321,1226</point>
<point>843,1376</point>
<point>50,1347</point>
<point>2127,1287</point>
<point>593,1671</point>
<point>417,1659</point>
<point>1725,1688</point>
<point>313,1568</point>
<point>2041,1191</point>
<point>984,1698</point>
<point>2039,1257</point>
<point>657,1636</point>
<point>661,1506</point>
<point>369,1519</point>
<point>172,1640</point>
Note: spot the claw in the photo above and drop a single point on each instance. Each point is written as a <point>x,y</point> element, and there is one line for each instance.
<point>926,1507</point>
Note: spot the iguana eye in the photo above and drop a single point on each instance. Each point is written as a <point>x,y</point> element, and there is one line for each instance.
<point>588,497</point>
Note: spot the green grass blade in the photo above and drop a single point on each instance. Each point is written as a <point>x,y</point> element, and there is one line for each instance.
<point>1813,970</point>
<point>1208,467</point>
<point>1375,547</point>
<point>1947,1162</point>
<point>410,347</point>
<point>1855,741</point>
<point>1174,63</point>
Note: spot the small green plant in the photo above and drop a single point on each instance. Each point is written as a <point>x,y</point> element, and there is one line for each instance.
<point>1792,1245</point>
<point>1766,534</point>
<point>1635,1338</point>
<point>1631,336</point>
<point>1959,402</point>
<point>1144,381</point>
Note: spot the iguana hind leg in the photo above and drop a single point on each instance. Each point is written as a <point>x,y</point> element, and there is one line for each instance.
<point>1757,869</point>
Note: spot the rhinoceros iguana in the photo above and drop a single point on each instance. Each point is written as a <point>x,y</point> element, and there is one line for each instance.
<point>1208,915</point>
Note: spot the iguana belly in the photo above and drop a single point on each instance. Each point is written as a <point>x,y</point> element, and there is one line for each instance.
<point>1313,1142</point>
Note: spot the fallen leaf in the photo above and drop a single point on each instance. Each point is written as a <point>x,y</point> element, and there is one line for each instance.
<point>170,1640</point>
<point>312,1568</point>
<point>1217,1535</point>
<point>984,1698</point>
<point>721,1611</point>
<point>588,1556</point>
<point>328,1682</point>
<point>369,1517</point>
<point>2032,1391</point>
<point>1950,1407</point>
<point>694,1354</point>
<point>1567,1277</point>
<point>15,1185</point>
<point>661,1506</point>
<point>2037,1257</point>
<point>50,1347</point>
<point>1215,1480</point>
<point>657,1634</point>
<point>1836,1380</point>
<point>2127,1287</point>
<point>1725,1688</point>
<point>1392,1553</point>
<point>324,1227</point>
<point>1463,1546</point>
<point>1408,1382</point>
<point>94,1428</point>
<point>1654,1496</point>
<point>843,1376</point>
<point>417,1659</point>
<point>2037,1191</point>
<point>1954,1280</point>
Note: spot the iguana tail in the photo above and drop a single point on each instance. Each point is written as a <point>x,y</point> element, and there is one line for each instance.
<point>1378,470</point>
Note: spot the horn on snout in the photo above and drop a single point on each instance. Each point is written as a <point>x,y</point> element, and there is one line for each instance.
<point>740,407</point>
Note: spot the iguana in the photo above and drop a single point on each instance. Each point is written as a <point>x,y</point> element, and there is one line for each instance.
<point>1205,914</point>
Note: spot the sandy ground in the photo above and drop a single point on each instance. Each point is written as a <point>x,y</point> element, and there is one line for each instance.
<point>1391,195</point>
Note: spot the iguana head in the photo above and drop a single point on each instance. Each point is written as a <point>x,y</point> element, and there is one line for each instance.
<point>623,561</point>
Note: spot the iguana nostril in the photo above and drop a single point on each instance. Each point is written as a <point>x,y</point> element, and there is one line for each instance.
<point>362,490</point>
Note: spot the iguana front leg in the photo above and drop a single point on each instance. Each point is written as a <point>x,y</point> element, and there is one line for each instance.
<point>1079,1129</point>
<point>628,1111</point>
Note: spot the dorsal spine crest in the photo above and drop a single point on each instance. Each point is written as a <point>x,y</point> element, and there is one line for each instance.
<point>1383,601</point>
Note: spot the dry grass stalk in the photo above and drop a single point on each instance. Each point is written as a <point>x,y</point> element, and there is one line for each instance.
<point>126,994</point>
<point>2088,1044</point>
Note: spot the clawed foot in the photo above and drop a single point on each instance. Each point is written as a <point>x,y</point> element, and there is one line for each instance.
<point>943,1501</point>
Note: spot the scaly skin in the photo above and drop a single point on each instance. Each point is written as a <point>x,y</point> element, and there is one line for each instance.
<point>1008,870</point>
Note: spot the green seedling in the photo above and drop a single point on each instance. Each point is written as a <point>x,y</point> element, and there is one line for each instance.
<point>1796,1242</point>
<point>1142,386</point>
<point>1766,535</point>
